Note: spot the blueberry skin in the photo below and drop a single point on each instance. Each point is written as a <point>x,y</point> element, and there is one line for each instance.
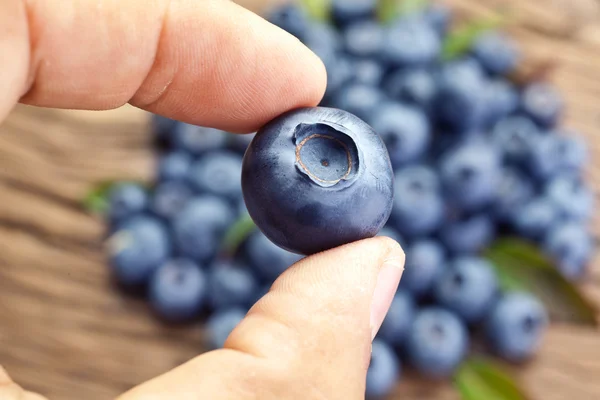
<point>323,40</point>
<point>468,234</point>
<point>468,288</point>
<point>501,98</point>
<point>398,320</point>
<point>363,39</point>
<point>360,100</point>
<point>543,103</point>
<point>368,72</point>
<point>515,326</point>
<point>199,227</point>
<point>418,205</point>
<point>536,218</point>
<point>230,285</point>
<point>414,86</point>
<point>218,173</point>
<point>220,325</point>
<point>178,290</point>
<point>197,140</point>
<point>555,154</point>
<point>470,174</point>
<point>571,197</point>
<point>268,259</point>
<point>340,72</point>
<point>571,246</point>
<point>169,198</point>
<point>317,178</point>
<point>405,131</point>
<point>497,53</point>
<point>513,191</point>
<point>384,370</point>
<point>425,261</point>
<point>174,166</point>
<point>344,12</point>
<point>137,248</point>
<point>409,43</point>
<point>126,200</point>
<point>437,342</point>
<point>291,18</point>
<point>516,137</point>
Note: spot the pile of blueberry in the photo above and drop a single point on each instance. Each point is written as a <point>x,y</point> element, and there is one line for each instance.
<point>476,156</point>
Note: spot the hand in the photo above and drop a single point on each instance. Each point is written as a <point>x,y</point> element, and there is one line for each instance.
<point>212,63</point>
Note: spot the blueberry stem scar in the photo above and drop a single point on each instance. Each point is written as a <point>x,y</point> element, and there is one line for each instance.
<point>323,162</point>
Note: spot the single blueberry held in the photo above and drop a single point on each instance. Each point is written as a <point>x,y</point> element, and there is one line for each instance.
<point>197,140</point>
<point>317,178</point>
<point>414,86</point>
<point>513,191</point>
<point>573,199</point>
<point>425,261</point>
<point>363,39</point>
<point>410,42</point>
<point>398,320</point>
<point>126,200</point>
<point>384,370</point>
<point>571,246</point>
<point>344,12</point>
<point>468,288</point>
<point>468,234</point>
<point>543,103</point>
<point>230,285</point>
<point>516,137</point>
<point>291,18</point>
<point>536,218</point>
<point>437,342</point>
<point>174,166</point>
<point>220,325</point>
<point>169,198</point>
<point>199,227</point>
<point>497,53</point>
<point>515,326</point>
<point>360,100</point>
<point>178,290</point>
<point>137,248</point>
<point>268,259</point>
<point>405,131</point>
<point>218,173</point>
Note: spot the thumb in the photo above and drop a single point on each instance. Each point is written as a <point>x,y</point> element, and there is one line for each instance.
<point>309,337</point>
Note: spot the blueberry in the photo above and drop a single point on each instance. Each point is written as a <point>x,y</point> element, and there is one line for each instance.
<point>513,191</point>
<point>468,234</point>
<point>571,150</point>
<point>363,39</point>
<point>497,53</point>
<point>218,173</point>
<point>169,198</point>
<point>501,99</point>
<point>317,178</point>
<point>198,228</point>
<point>239,143</point>
<point>572,198</point>
<point>268,259</point>
<point>437,342</point>
<point>368,72</point>
<point>468,288</point>
<point>470,173</point>
<point>516,137</point>
<point>340,71</point>
<point>230,285</point>
<point>405,131</point>
<point>126,200</point>
<point>425,261</point>
<point>438,16</point>
<point>197,140</point>
<point>137,248</point>
<point>178,290</point>
<point>542,102</point>
<point>515,326</point>
<point>414,86</point>
<point>392,233</point>
<point>291,18</point>
<point>384,370</point>
<point>174,166</point>
<point>162,127</point>
<point>555,154</point>
<point>418,206</point>
<point>398,320</point>
<point>220,325</point>
<point>571,246</point>
<point>359,99</point>
<point>344,12</point>
<point>410,42</point>
<point>536,218</point>
<point>323,40</point>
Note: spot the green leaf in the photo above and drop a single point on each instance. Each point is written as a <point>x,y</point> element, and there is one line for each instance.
<point>389,10</point>
<point>96,200</point>
<point>522,266</point>
<point>317,9</point>
<point>460,40</point>
<point>237,234</point>
<point>483,379</point>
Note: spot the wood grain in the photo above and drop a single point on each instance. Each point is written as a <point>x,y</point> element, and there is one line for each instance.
<point>66,333</point>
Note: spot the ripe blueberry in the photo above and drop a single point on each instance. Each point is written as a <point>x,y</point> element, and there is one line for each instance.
<point>344,12</point>
<point>218,173</point>
<point>425,261</point>
<point>542,102</point>
<point>468,234</point>
<point>398,320</point>
<point>197,140</point>
<point>230,285</point>
<point>414,86</point>
<point>174,166</point>
<point>384,370</point>
<point>268,259</point>
<point>410,42</point>
<point>220,325</point>
<point>572,198</point>
<point>126,200</point>
<point>291,18</point>
<point>359,99</point>
<point>363,39</point>
<point>169,198</point>
<point>497,53</point>
<point>571,246</point>
<point>536,218</point>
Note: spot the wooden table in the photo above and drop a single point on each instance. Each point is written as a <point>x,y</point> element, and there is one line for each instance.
<point>65,332</point>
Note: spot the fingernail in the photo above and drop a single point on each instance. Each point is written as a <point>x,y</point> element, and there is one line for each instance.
<point>385,289</point>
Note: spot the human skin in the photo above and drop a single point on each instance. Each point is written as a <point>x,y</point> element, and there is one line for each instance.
<point>215,64</point>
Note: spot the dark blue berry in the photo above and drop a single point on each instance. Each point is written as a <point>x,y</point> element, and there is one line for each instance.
<point>497,53</point>
<point>414,86</point>
<point>438,16</point>
<point>536,218</point>
<point>344,12</point>
<point>516,137</point>
<point>571,247</point>
<point>555,154</point>
<point>230,285</point>
<point>368,72</point>
<point>126,200</point>
<point>542,102</point>
<point>340,71</point>
<point>197,140</point>
<point>363,39</point>
<point>268,259</point>
<point>323,40</point>
<point>501,99</point>
<point>291,18</point>
<point>468,234</point>
<point>573,199</point>
<point>317,178</point>
<point>359,99</point>
<point>220,325</point>
<point>398,320</point>
<point>410,42</point>
<point>169,198</point>
<point>513,191</point>
<point>163,127</point>
<point>218,173</point>
<point>174,166</point>
<point>384,370</point>
<point>425,261</point>
<point>392,233</point>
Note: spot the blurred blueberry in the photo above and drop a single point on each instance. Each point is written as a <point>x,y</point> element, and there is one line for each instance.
<point>437,342</point>
<point>363,39</point>
<point>438,16</point>
<point>137,248</point>
<point>571,150</point>
<point>384,370</point>
<point>468,288</point>
<point>178,290</point>
<point>174,166</point>
<point>291,18</point>
<point>470,174</point>
<point>169,198</point>
<point>162,127</point>
<point>468,234</point>
<point>398,320</point>
<point>543,103</point>
<point>418,206</point>
<point>496,52</point>
<point>534,219</point>
<point>238,142</point>
<point>368,72</point>
<point>415,86</point>
<point>513,191</point>
<point>197,139</point>
<point>501,100</point>
<point>340,71</point>
<point>515,326</point>
<point>392,233</point>
<point>553,154</point>
<point>268,259</point>
<point>425,261</point>
<point>220,325</point>
<point>323,40</point>
<point>218,173</point>
<point>360,100</point>
<point>126,200</point>
<point>571,246</point>
<point>410,42</point>
<point>405,131</point>
<point>516,137</point>
<point>199,227</point>
<point>261,291</point>
<point>344,12</point>
<point>230,285</point>
<point>572,198</point>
